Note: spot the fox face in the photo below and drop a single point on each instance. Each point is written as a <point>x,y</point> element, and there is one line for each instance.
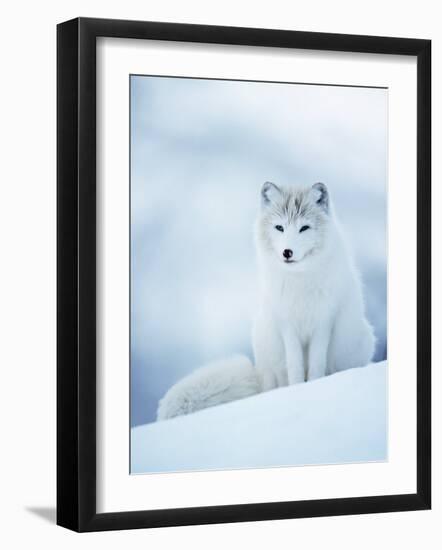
<point>292,224</point>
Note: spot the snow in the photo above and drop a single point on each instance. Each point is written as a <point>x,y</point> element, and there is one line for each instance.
<point>337,419</point>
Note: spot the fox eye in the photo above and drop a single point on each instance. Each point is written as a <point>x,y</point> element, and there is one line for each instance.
<point>304,228</point>
<point>279,228</point>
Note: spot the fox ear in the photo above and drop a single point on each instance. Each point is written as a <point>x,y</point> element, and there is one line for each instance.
<point>321,195</point>
<point>269,193</point>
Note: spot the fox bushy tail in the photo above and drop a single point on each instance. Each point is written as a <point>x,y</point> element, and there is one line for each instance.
<point>215,383</point>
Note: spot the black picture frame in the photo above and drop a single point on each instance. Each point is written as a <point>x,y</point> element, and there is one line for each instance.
<point>77,287</point>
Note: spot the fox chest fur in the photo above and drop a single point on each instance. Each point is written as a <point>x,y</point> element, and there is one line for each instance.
<point>301,303</point>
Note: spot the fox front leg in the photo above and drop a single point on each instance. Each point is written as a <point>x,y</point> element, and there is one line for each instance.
<point>317,353</point>
<point>293,358</point>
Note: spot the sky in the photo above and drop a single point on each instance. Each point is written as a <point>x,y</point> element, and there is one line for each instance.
<point>200,152</point>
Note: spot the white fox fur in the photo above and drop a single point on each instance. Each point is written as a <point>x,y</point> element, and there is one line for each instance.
<point>310,321</point>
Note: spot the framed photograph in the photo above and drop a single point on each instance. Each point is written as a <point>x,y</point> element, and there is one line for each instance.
<point>243,274</point>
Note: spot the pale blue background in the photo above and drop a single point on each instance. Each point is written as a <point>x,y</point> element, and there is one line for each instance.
<point>200,150</point>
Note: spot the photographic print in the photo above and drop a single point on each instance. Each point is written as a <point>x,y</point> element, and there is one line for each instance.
<point>258,262</point>
<point>232,208</point>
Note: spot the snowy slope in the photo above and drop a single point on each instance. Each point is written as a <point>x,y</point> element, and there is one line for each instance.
<point>339,418</point>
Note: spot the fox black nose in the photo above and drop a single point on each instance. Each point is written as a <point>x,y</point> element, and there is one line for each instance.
<point>287,253</point>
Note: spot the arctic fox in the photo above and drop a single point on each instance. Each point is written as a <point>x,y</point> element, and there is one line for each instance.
<point>310,321</point>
